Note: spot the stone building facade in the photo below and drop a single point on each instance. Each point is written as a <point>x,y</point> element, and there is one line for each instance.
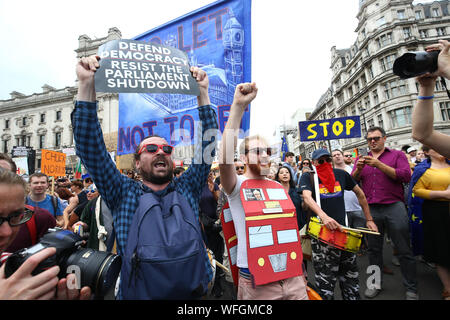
<point>42,120</point>
<point>362,80</point>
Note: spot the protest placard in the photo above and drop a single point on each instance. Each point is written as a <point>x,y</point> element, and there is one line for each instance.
<point>53,163</point>
<point>130,66</point>
<point>330,129</point>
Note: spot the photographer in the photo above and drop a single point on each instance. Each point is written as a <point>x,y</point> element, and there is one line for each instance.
<point>22,284</point>
<point>422,118</point>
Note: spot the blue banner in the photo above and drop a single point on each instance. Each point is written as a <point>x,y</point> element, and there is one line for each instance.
<point>216,38</point>
<point>337,128</point>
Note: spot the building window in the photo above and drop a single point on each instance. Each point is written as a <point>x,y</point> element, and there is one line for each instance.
<point>380,120</point>
<point>370,71</point>
<point>401,14</point>
<point>58,115</point>
<point>375,97</point>
<point>363,81</point>
<point>356,84</point>
<point>58,139</point>
<point>445,110</point>
<point>22,140</point>
<point>371,123</point>
<point>42,141</point>
<point>418,15</point>
<point>350,92</point>
<point>384,40</point>
<point>340,99</point>
<point>423,33</point>
<point>24,121</point>
<point>367,102</point>
<point>440,31</point>
<point>381,21</point>
<point>400,117</point>
<point>394,89</point>
<point>5,146</point>
<point>387,62</point>
<point>435,12</point>
<point>42,118</point>
<point>353,110</point>
<point>6,123</point>
<point>407,33</point>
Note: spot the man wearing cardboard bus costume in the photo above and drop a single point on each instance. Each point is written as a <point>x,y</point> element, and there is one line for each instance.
<point>268,252</point>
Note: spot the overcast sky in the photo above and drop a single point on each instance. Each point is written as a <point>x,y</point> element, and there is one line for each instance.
<point>291,42</point>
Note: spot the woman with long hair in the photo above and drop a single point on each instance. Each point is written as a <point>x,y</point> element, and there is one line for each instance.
<point>431,182</point>
<point>284,177</point>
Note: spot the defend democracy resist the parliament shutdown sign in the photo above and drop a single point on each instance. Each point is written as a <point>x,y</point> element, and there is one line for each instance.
<point>216,38</point>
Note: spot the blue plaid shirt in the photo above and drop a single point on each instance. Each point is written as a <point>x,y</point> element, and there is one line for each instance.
<point>121,193</point>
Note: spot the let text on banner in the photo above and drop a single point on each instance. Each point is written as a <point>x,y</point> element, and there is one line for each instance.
<point>330,129</point>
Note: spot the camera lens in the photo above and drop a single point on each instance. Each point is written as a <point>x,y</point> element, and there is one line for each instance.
<point>413,64</point>
<point>99,270</point>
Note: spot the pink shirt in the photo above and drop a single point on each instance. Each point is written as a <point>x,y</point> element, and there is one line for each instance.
<point>377,186</point>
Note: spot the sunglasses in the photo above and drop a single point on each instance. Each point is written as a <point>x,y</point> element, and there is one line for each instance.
<point>376,139</point>
<point>240,167</point>
<point>259,151</point>
<point>16,219</point>
<point>348,156</point>
<point>153,148</point>
<point>307,163</point>
<point>93,191</point>
<point>322,161</point>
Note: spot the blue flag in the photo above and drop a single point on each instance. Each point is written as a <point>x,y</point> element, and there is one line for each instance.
<point>216,38</point>
<point>284,148</point>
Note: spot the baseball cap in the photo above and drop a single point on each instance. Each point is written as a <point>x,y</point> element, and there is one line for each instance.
<point>319,153</point>
<point>411,149</point>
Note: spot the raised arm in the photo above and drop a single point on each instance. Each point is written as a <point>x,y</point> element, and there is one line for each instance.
<point>423,116</point>
<point>88,135</point>
<point>244,94</point>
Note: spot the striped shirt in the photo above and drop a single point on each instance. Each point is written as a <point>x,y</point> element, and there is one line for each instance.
<point>121,193</point>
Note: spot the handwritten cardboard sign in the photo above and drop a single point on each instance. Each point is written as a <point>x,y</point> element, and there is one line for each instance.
<point>53,163</point>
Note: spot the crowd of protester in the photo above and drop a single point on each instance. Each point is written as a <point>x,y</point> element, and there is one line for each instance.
<point>385,191</point>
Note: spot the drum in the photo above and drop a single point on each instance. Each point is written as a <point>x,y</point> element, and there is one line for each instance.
<point>345,240</point>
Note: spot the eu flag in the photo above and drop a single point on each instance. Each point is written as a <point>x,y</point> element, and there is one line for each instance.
<point>284,148</point>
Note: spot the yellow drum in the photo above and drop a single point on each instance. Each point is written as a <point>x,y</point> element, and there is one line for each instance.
<point>345,240</point>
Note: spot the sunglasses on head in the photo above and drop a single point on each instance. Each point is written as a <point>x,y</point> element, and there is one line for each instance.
<point>240,167</point>
<point>259,151</point>
<point>153,148</point>
<point>322,161</point>
<point>374,139</point>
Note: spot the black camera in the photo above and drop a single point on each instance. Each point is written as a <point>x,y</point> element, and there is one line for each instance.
<point>97,269</point>
<point>414,64</point>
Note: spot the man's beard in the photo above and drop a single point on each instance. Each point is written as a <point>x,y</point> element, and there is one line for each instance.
<point>149,176</point>
<point>261,171</point>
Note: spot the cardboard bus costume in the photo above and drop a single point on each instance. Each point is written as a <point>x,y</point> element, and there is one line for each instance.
<point>273,246</point>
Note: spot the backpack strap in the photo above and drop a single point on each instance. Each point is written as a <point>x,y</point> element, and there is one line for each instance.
<point>31,226</point>
<point>55,204</point>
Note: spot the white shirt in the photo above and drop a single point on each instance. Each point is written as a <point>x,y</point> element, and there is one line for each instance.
<point>238,214</point>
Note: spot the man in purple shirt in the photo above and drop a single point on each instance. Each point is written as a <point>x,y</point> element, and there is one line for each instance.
<point>382,174</point>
